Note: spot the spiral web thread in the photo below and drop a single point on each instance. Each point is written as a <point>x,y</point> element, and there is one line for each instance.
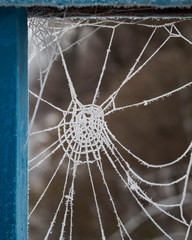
<point>83,134</point>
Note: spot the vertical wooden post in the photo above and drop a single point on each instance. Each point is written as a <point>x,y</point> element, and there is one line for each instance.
<point>13,123</point>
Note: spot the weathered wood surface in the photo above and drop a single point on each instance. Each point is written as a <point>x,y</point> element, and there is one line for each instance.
<point>162,3</point>
<point>13,124</point>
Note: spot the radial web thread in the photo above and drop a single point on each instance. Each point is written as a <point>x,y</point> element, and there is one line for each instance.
<point>84,142</point>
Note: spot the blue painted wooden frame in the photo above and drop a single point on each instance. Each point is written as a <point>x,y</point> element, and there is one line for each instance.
<point>13,124</point>
<point>14,105</point>
<point>162,3</point>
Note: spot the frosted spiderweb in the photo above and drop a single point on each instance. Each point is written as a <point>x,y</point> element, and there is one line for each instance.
<point>84,140</point>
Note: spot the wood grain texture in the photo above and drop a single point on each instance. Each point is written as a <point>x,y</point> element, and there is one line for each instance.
<point>13,123</point>
<point>160,3</point>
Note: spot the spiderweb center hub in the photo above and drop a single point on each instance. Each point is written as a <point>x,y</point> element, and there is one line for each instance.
<point>83,130</point>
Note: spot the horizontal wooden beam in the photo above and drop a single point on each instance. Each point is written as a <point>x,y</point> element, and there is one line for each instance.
<point>157,3</point>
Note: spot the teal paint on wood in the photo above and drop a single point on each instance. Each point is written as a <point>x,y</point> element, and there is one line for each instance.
<point>162,3</point>
<point>13,124</point>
